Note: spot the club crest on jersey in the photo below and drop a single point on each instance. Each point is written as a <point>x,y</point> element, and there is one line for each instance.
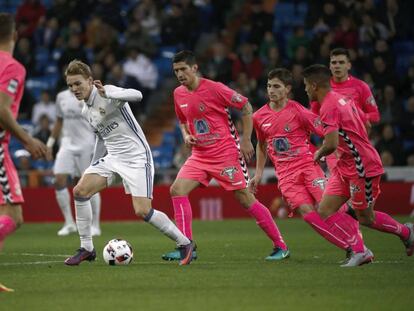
<point>236,98</point>
<point>102,111</point>
<point>229,172</point>
<point>319,182</point>
<point>12,87</point>
<point>287,128</point>
<point>202,107</point>
<point>354,189</point>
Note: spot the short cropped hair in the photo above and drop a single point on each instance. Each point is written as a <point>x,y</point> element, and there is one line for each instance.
<point>77,67</point>
<point>7,27</point>
<point>319,74</point>
<point>282,74</point>
<point>340,51</point>
<point>185,56</point>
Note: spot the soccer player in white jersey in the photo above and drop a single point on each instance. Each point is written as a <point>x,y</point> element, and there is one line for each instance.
<point>74,156</point>
<point>121,149</point>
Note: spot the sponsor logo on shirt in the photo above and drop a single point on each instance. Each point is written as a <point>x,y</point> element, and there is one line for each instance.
<point>12,87</point>
<point>104,131</point>
<point>201,126</point>
<point>183,106</point>
<point>266,124</point>
<point>236,98</point>
<point>229,172</point>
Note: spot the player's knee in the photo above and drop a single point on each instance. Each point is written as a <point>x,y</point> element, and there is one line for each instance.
<point>176,190</point>
<point>245,198</point>
<point>366,220</point>
<point>305,209</point>
<point>81,192</point>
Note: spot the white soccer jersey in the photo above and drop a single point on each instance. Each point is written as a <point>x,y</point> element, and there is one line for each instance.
<point>112,118</point>
<point>77,134</point>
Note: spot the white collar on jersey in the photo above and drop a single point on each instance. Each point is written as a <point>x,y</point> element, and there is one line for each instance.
<point>92,96</point>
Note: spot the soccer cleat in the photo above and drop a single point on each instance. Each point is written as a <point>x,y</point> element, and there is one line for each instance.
<point>5,289</point>
<point>81,255</point>
<point>186,254</point>
<point>67,229</point>
<point>359,259</point>
<point>96,231</point>
<point>278,254</point>
<point>175,254</point>
<point>409,243</point>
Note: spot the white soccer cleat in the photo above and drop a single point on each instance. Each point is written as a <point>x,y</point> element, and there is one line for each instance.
<point>96,231</point>
<point>67,229</point>
<point>359,259</point>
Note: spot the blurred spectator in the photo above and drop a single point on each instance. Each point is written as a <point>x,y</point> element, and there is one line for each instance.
<point>407,122</point>
<point>25,55</point>
<point>146,13</point>
<point>382,74</point>
<point>117,77</point>
<point>28,15</point>
<point>390,109</point>
<point>137,38</point>
<point>47,33</point>
<point>390,143</point>
<point>346,35</point>
<point>98,72</point>
<point>74,50</point>
<point>387,158</point>
<point>371,31</point>
<point>44,107</point>
<point>248,63</point>
<point>260,20</point>
<point>298,87</point>
<point>43,128</point>
<point>219,65</point>
<point>298,39</point>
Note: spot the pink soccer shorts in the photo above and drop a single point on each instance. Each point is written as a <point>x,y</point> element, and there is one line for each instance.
<point>11,191</point>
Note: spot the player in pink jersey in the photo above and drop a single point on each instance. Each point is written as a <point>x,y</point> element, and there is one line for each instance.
<point>283,127</point>
<point>12,76</point>
<point>359,169</point>
<point>202,107</point>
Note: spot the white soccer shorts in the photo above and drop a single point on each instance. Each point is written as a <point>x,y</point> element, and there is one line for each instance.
<point>137,178</point>
<point>73,163</point>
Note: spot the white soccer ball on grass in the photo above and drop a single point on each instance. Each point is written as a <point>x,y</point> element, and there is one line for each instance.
<point>117,252</point>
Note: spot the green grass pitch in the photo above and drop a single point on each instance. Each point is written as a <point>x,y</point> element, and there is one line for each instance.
<point>230,274</point>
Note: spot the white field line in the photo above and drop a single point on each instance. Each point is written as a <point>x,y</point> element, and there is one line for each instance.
<point>29,263</point>
<point>37,255</point>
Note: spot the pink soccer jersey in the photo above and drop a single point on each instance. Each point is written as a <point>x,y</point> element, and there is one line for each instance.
<point>357,157</point>
<point>12,76</point>
<point>286,133</point>
<point>206,113</point>
<point>361,94</point>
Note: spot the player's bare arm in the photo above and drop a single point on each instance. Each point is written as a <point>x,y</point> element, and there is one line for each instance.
<point>246,145</point>
<point>189,139</point>
<point>54,135</point>
<point>36,148</point>
<point>261,158</point>
<point>330,143</point>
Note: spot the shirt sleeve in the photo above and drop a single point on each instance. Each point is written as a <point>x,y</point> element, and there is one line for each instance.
<point>230,97</point>
<point>11,80</point>
<point>259,133</point>
<point>310,120</point>
<point>120,96</point>
<point>315,107</point>
<point>368,104</point>
<point>181,117</point>
<point>329,115</point>
<point>59,112</point>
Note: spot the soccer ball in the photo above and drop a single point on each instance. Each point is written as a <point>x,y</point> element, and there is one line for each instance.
<point>117,252</point>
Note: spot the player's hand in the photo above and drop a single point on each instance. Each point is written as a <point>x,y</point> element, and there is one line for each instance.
<point>49,154</point>
<point>247,150</point>
<point>190,140</point>
<point>253,183</point>
<point>100,87</point>
<point>36,148</point>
